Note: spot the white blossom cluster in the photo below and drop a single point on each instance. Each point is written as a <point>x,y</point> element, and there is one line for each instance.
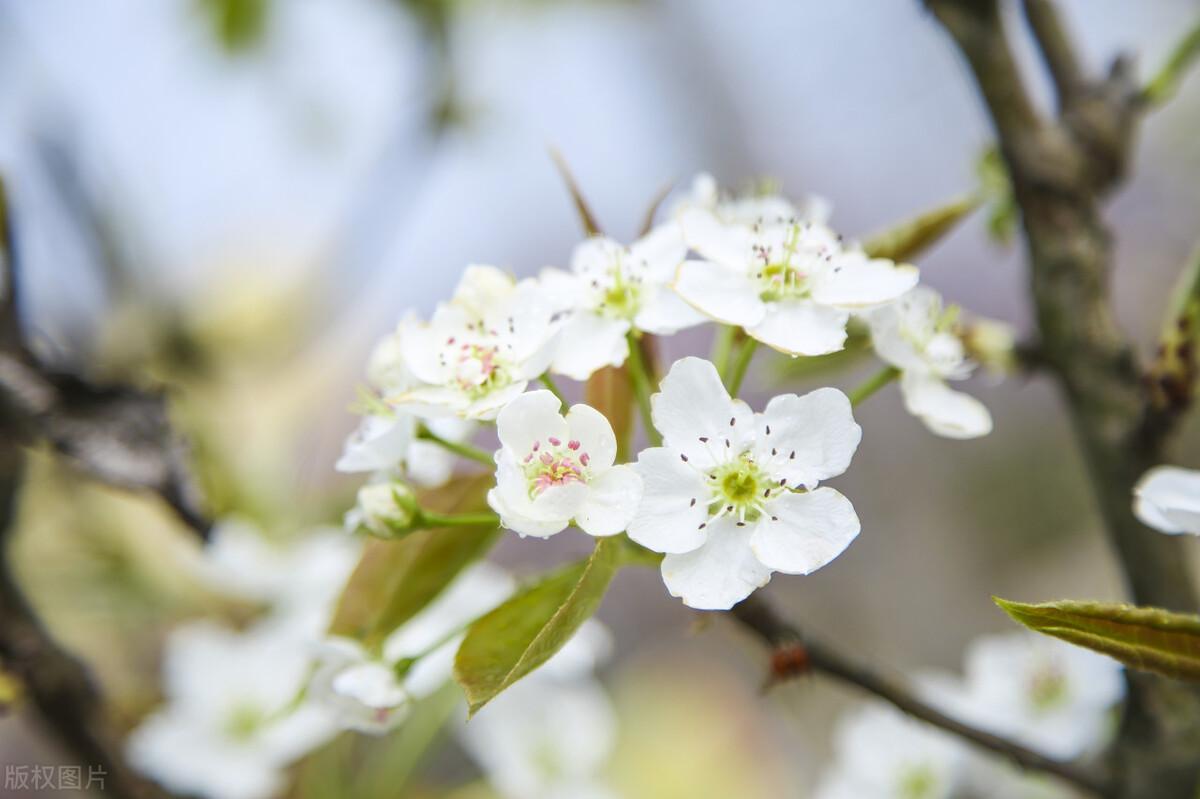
<point>731,495</point>
<point>1050,696</point>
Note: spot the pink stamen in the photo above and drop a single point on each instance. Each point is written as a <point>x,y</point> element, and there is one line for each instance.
<point>584,458</point>
<point>547,458</point>
<point>555,441</point>
<point>572,445</point>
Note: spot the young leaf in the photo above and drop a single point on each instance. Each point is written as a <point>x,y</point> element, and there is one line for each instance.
<point>1149,639</point>
<point>910,238</point>
<point>396,579</point>
<point>586,217</point>
<point>524,632</point>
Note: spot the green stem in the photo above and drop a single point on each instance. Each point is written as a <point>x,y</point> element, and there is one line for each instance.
<point>640,377</point>
<point>723,348</point>
<point>458,448</point>
<point>738,370</point>
<point>430,519</point>
<point>549,383</point>
<point>1162,87</point>
<point>873,383</point>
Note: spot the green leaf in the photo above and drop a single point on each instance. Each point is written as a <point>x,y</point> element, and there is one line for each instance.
<point>238,24</point>
<point>1149,639</point>
<point>910,238</point>
<point>523,633</point>
<point>394,580</point>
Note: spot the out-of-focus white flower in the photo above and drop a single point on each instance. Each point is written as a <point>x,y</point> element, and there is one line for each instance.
<point>916,335</point>
<point>732,495</point>
<point>371,691</point>
<point>553,470</point>
<point>1046,694</point>
<point>882,754</point>
<point>752,208</point>
<point>386,438</point>
<point>384,508</point>
<point>788,282</point>
<point>233,719</point>
<point>480,350</point>
<point>550,735</point>
<point>1167,498</point>
<point>299,579</point>
<point>612,289</point>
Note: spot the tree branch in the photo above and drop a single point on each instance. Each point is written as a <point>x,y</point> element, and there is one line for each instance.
<point>760,618</point>
<point>1056,49</point>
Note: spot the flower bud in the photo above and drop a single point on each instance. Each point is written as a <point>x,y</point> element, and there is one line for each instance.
<point>384,509</point>
<point>991,344</point>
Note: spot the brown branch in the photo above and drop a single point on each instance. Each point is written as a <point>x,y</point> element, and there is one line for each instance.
<point>1056,49</point>
<point>759,617</point>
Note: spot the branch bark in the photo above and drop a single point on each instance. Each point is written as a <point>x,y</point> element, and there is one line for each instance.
<point>760,618</point>
<point>1060,170</point>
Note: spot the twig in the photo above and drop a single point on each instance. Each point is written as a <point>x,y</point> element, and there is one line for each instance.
<point>758,616</point>
<point>1163,85</point>
<point>1055,47</point>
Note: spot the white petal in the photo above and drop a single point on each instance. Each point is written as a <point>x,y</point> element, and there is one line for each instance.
<point>945,411</point>
<point>563,290</point>
<point>719,574</point>
<point>811,529</point>
<point>811,438</point>
<point>432,401</point>
<point>664,312</point>
<point>596,255</point>
<point>543,515</point>
<point>588,342</point>
<point>613,498</point>
<point>380,442</point>
<point>724,294</point>
<point>528,419</point>
<point>1168,499</point>
<point>673,505</point>
<point>371,684</point>
<point>595,435</point>
<point>661,250</point>
<point>728,245</point>
<point>489,406</point>
<point>854,280</point>
<point>481,287</point>
<point>691,405</point>
<point>801,327</point>
<point>429,465</point>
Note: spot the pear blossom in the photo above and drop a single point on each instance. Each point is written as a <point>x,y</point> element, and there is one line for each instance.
<point>480,350</point>
<point>917,335</point>
<point>550,735</point>
<point>1041,692</point>
<point>751,208</point>
<point>787,281</point>
<point>732,495</point>
<point>882,754</point>
<point>234,717</point>
<point>1167,498</point>
<point>612,289</point>
<point>553,470</point>
<point>372,691</point>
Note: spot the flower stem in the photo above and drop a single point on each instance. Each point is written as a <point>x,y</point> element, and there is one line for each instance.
<point>639,376</point>
<point>549,383</point>
<point>875,382</point>
<point>738,370</point>
<point>430,519</point>
<point>723,348</point>
<point>458,447</point>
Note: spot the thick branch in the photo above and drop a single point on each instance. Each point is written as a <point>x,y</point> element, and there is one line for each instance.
<point>1055,47</point>
<point>759,617</point>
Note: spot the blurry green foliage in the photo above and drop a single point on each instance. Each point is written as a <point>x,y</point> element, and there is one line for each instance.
<point>239,25</point>
<point>996,190</point>
<point>908,239</point>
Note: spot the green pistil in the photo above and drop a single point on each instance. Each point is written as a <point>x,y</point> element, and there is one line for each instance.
<point>623,298</point>
<point>244,721</point>
<point>917,782</point>
<point>1048,688</point>
<point>740,489</point>
<point>781,279</point>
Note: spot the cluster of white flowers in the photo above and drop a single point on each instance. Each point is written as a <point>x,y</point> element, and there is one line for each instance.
<point>731,496</point>
<point>1040,692</point>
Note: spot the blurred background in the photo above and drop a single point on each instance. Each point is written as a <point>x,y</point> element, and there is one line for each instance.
<point>237,197</point>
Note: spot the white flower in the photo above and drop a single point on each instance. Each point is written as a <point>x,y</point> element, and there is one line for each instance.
<point>384,508</point>
<point>1167,498</point>
<point>232,721</point>
<point>371,692</point>
<point>731,495</point>
<point>480,350</point>
<point>612,289</point>
<point>299,579</point>
<point>916,335</point>
<point>749,209</point>
<point>788,282</point>
<point>1044,693</point>
<point>553,470</point>
<point>882,754</point>
<point>550,735</point>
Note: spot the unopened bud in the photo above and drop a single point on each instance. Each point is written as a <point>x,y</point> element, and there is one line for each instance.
<point>991,344</point>
<point>384,509</point>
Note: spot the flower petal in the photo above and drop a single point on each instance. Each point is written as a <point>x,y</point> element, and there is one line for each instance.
<point>613,498</point>
<point>660,252</point>
<point>729,245</point>
<point>674,503</point>
<point>801,327</point>
<point>488,406</point>
<point>725,294</point>
<point>595,435</point>
<point>692,405</point>
<point>855,280</point>
<point>719,574</point>
<point>944,411</point>
<point>588,342</point>
<point>380,442</point>
<point>664,312</point>
<point>810,439</point>
<point>528,419</point>
<point>807,531</point>
<point>1168,499</point>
